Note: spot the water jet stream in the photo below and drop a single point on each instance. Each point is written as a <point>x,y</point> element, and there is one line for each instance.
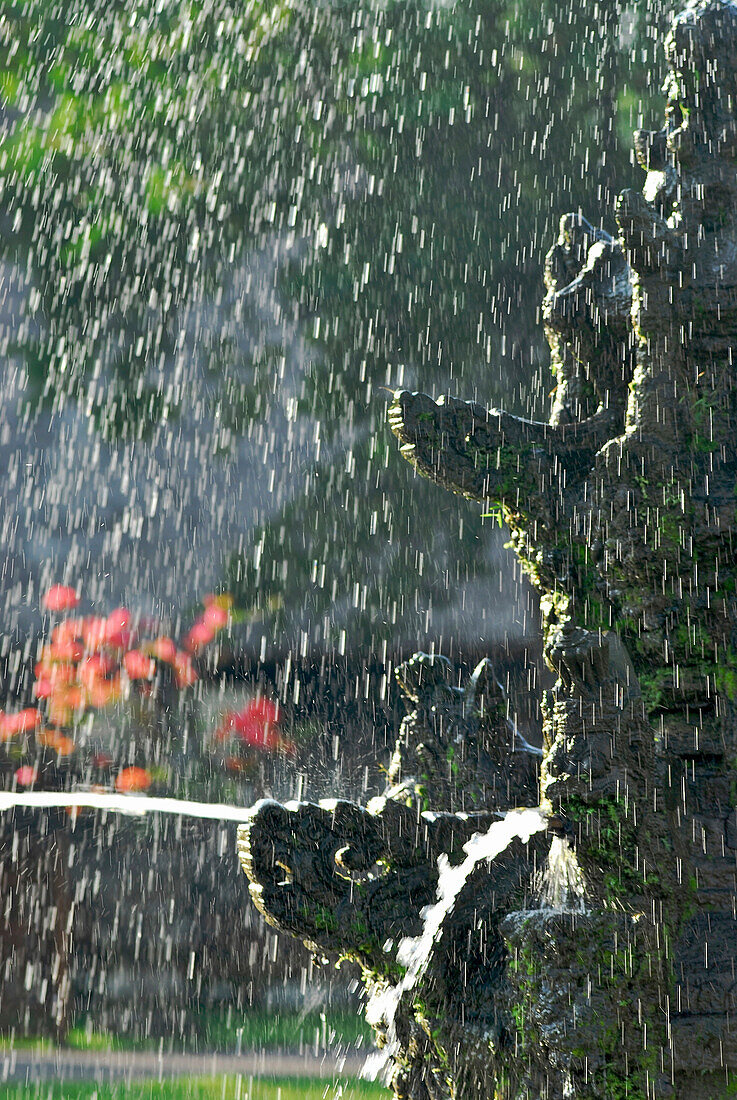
<point>136,805</point>
<point>563,887</point>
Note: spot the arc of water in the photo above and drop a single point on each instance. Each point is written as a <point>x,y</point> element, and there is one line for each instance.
<point>132,804</point>
<point>414,952</point>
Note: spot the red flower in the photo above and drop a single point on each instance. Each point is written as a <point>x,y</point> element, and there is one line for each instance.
<point>119,619</point>
<point>256,725</point>
<point>118,632</point>
<point>95,632</point>
<point>163,649</point>
<point>101,693</point>
<point>133,779</point>
<point>184,671</point>
<point>215,616</point>
<point>63,649</point>
<point>68,696</point>
<point>200,634</point>
<point>59,742</point>
<point>138,665</point>
<point>50,677</point>
<point>95,668</point>
<point>22,722</point>
<point>68,630</point>
<point>43,688</point>
<point>25,775</point>
<point>58,671</point>
<point>60,597</point>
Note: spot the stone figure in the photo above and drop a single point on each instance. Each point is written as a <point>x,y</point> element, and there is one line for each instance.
<point>622,509</point>
<point>353,881</point>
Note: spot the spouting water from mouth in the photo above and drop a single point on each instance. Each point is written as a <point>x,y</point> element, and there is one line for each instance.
<point>563,885</point>
<point>137,805</point>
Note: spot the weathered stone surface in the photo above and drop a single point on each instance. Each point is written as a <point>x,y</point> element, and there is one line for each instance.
<point>622,509</point>
<point>704,964</point>
<point>577,978</point>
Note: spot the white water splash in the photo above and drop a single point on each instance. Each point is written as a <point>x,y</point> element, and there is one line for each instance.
<point>378,1064</point>
<point>134,804</point>
<point>563,885</point>
<point>414,952</point>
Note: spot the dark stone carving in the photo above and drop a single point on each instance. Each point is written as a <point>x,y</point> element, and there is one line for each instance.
<point>354,881</point>
<point>456,748</point>
<point>586,313</point>
<point>622,508</point>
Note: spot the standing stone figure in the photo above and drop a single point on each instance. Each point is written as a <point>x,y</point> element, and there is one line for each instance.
<point>597,958</point>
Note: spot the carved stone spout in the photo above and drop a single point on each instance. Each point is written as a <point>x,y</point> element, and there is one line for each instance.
<point>355,881</point>
<point>345,878</point>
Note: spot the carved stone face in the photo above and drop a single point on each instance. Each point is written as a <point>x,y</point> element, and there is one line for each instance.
<point>702,85</point>
<point>359,881</point>
<point>425,675</point>
<point>348,878</point>
<point>311,867</point>
<point>598,299</point>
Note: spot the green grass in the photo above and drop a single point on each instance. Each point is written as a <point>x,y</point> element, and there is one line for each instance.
<point>203,1088</point>
<point>283,1030</point>
<point>221,1031</point>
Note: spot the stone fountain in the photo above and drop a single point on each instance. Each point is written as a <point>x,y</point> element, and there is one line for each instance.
<point>586,946</point>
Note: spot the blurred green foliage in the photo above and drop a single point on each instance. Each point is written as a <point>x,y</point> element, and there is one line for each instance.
<point>408,162</point>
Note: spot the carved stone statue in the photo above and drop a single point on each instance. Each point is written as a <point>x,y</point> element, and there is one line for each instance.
<point>485,980</point>
<point>354,881</point>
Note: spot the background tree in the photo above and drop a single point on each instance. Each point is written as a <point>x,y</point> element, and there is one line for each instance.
<point>396,171</point>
